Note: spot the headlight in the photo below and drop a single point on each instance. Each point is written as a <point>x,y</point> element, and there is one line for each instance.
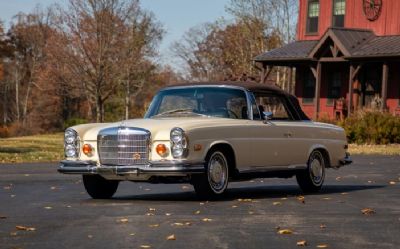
<point>178,143</point>
<point>71,143</point>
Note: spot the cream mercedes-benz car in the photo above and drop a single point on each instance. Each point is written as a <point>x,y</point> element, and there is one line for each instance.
<point>207,134</point>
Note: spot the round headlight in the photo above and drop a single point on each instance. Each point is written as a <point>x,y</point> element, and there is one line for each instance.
<point>70,151</point>
<point>177,135</point>
<point>177,150</point>
<point>70,136</point>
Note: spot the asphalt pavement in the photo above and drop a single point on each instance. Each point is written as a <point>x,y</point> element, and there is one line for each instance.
<point>359,207</point>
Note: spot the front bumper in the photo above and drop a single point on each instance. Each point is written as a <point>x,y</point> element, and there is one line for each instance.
<point>164,168</point>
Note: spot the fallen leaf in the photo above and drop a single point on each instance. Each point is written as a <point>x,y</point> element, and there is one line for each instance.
<point>167,214</point>
<point>53,188</point>
<point>283,198</point>
<point>197,212</point>
<point>201,203</point>
<point>171,237</point>
<point>276,203</point>
<point>152,209</point>
<point>392,183</point>
<point>48,207</point>
<point>145,246</point>
<point>13,234</point>
<point>301,243</point>
<point>368,211</point>
<point>338,178</point>
<point>69,206</point>
<point>322,226</point>
<point>12,196</point>
<point>149,214</point>
<point>327,198</point>
<point>206,219</point>
<point>251,212</point>
<point>322,246</point>
<point>24,228</point>
<point>26,175</point>
<point>301,198</point>
<point>132,234</point>
<point>154,225</point>
<point>370,181</point>
<point>344,193</point>
<point>147,189</point>
<point>234,206</point>
<point>123,220</point>
<point>285,231</point>
<point>245,200</point>
<point>90,236</point>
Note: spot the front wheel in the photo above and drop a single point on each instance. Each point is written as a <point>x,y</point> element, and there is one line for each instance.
<point>98,187</point>
<point>214,182</point>
<point>311,179</point>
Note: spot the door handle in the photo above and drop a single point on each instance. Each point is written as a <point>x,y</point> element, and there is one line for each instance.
<point>288,134</point>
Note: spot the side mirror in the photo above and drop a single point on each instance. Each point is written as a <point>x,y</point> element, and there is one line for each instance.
<point>268,115</point>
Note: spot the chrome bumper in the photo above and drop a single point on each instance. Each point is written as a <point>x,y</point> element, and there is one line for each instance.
<point>347,160</point>
<point>165,168</point>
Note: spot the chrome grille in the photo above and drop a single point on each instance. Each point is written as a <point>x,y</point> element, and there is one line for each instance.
<point>122,146</point>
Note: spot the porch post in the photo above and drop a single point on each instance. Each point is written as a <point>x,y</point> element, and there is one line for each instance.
<point>350,99</point>
<point>385,76</point>
<point>317,90</point>
<point>290,79</point>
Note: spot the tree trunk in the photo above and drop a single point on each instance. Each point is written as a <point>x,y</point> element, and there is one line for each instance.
<point>17,93</point>
<point>127,99</point>
<point>5,117</point>
<point>25,109</point>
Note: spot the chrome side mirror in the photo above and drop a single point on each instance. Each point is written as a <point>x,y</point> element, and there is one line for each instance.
<point>268,115</point>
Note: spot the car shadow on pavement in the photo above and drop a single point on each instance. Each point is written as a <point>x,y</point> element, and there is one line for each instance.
<point>259,192</point>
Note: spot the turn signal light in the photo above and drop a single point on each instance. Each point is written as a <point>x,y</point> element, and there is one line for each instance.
<point>87,149</point>
<point>161,150</point>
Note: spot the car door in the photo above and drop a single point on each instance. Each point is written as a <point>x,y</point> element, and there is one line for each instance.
<point>272,139</point>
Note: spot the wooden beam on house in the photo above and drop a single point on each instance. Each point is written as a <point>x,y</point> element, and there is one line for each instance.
<point>290,79</point>
<point>350,99</point>
<point>385,78</point>
<point>265,72</point>
<point>355,72</point>
<point>317,94</point>
<point>314,71</point>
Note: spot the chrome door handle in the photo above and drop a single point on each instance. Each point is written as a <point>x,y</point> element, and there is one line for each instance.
<point>288,134</point>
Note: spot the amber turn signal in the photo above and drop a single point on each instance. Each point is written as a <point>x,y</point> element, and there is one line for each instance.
<point>161,150</point>
<point>87,149</point>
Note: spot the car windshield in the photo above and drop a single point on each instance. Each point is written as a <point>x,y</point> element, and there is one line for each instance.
<point>200,101</point>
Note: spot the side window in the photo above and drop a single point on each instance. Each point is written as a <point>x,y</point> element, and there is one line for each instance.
<point>274,104</point>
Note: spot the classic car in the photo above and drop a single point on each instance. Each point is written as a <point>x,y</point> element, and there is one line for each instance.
<point>207,134</point>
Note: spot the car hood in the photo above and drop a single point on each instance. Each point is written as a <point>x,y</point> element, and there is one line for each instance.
<point>159,127</point>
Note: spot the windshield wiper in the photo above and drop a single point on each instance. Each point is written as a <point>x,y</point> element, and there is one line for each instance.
<point>187,110</point>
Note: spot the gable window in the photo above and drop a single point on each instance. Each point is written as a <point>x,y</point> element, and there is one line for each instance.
<point>339,11</point>
<point>308,88</point>
<point>312,16</point>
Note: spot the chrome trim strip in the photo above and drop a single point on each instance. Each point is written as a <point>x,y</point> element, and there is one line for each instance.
<point>153,168</point>
<point>274,168</point>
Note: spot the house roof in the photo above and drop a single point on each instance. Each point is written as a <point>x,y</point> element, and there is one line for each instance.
<point>353,43</point>
<point>298,50</point>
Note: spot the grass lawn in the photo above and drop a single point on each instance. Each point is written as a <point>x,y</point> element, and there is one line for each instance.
<point>49,148</point>
<point>39,148</point>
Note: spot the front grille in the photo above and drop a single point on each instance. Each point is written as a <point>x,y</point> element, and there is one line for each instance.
<point>123,146</point>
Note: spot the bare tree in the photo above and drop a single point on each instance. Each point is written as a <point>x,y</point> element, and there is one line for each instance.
<point>99,45</point>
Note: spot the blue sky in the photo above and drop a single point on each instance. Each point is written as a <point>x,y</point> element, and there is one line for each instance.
<point>177,16</point>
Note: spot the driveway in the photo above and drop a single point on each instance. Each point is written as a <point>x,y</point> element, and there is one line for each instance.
<point>53,211</point>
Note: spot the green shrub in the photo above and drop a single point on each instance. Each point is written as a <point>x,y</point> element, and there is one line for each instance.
<point>74,121</point>
<point>372,128</point>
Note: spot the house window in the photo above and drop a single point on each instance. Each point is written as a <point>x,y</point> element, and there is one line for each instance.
<point>308,88</point>
<point>312,16</point>
<point>339,10</point>
<point>334,88</point>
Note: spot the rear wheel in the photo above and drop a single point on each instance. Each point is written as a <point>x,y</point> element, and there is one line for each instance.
<point>214,183</point>
<point>98,187</point>
<point>311,179</point>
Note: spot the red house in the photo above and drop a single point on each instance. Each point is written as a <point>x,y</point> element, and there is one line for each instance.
<point>346,57</point>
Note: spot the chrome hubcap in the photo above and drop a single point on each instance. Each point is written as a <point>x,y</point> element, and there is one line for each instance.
<point>217,172</point>
<point>317,168</point>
